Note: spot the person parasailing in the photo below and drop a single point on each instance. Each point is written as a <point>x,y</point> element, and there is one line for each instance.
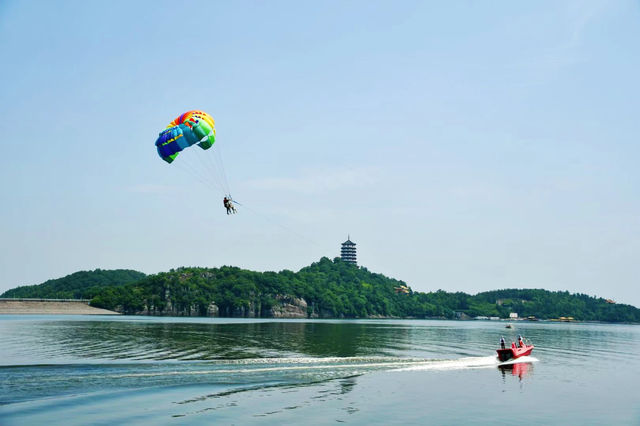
<point>195,128</point>
<point>228,204</point>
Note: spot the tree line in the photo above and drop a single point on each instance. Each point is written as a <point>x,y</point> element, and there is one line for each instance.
<point>330,288</point>
<point>79,285</point>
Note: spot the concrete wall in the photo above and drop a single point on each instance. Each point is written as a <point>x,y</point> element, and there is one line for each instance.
<point>50,306</point>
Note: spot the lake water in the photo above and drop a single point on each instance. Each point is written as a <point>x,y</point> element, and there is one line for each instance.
<point>79,370</point>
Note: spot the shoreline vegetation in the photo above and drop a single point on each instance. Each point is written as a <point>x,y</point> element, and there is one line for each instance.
<point>325,289</point>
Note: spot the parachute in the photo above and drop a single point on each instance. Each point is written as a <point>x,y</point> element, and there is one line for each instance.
<point>192,127</point>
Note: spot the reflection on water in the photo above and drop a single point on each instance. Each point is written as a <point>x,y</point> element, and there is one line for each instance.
<point>520,369</point>
<point>250,369</point>
<point>51,341</point>
<point>59,340</point>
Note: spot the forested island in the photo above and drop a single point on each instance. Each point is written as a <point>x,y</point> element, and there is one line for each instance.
<point>325,289</point>
<point>79,285</point>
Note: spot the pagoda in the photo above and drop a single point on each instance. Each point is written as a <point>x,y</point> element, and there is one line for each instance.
<point>348,251</point>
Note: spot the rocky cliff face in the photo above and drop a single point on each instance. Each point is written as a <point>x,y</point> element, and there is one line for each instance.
<point>289,307</point>
<point>286,307</point>
<point>212,310</point>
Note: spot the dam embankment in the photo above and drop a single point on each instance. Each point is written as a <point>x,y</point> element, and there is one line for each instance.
<point>50,307</point>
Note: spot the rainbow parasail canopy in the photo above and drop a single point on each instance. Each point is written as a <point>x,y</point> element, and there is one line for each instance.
<point>192,127</point>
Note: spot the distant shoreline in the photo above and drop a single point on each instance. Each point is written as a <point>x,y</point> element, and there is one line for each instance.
<point>50,307</point>
<point>81,307</point>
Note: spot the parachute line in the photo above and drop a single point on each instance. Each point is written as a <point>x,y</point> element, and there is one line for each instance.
<point>194,128</point>
<point>275,222</point>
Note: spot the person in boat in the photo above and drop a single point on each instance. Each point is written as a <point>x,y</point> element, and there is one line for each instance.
<point>502,343</point>
<point>520,342</point>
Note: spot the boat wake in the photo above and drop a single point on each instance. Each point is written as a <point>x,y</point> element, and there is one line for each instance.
<point>355,365</point>
<point>26,382</point>
<point>465,363</point>
<point>522,359</point>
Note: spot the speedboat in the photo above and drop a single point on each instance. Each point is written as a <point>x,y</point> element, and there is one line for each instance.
<point>515,351</point>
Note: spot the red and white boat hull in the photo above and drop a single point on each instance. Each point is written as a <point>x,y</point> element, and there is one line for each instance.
<point>514,352</point>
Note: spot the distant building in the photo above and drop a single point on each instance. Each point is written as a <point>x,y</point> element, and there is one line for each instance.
<point>402,289</point>
<point>513,315</point>
<point>348,251</point>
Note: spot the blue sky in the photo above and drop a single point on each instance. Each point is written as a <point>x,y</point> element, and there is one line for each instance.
<point>464,146</point>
